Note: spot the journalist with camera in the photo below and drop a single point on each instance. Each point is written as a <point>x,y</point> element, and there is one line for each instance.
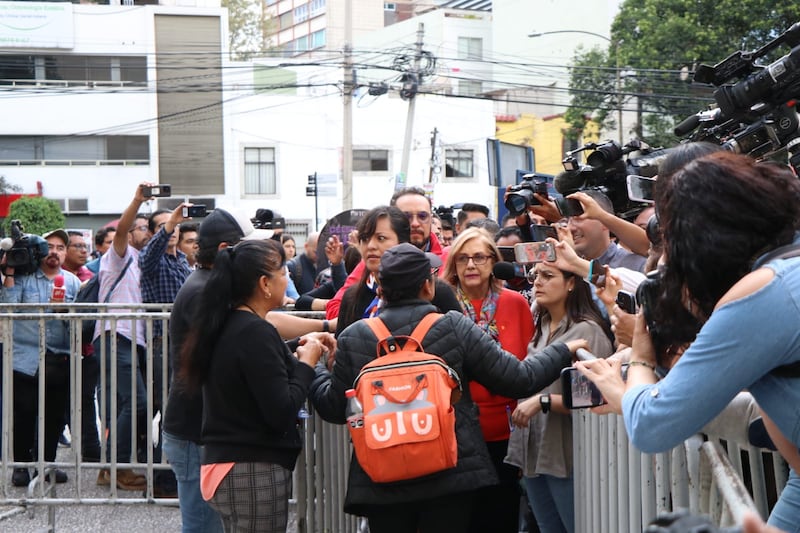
<point>33,274</point>
<point>731,274</point>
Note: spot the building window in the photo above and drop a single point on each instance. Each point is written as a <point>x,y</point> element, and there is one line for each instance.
<point>301,13</point>
<point>370,160</point>
<point>317,7</point>
<point>469,87</point>
<point>259,171</point>
<point>75,150</point>
<point>73,70</point>
<point>470,48</point>
<point>318,39</point>
<point>301,44</point>
<point>458,163</point>
<point>286,20</point>
<point>389,6</point>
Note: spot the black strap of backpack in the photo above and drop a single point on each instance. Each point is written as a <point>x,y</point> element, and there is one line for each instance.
<point>119,278</point>
<point>792,370</point>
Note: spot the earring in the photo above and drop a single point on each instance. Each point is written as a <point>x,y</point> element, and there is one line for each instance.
<point>269,295</point>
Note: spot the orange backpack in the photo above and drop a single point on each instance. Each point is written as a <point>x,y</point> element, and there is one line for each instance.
<point>407,396</point>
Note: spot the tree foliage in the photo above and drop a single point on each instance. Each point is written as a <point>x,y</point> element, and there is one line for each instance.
<point>249,28</point>
<point>37,214</point>
<point>655,40</point>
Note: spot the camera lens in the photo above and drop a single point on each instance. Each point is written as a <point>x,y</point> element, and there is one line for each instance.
<point>518,202</point>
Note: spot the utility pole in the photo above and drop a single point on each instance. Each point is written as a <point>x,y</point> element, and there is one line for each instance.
<point>414,79</point>
<point>347,118</point>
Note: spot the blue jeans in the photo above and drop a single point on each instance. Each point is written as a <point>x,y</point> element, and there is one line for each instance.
<point>184,458</point>
<point>124,414</point>
<point>785,514</point>
<point>552,500</point>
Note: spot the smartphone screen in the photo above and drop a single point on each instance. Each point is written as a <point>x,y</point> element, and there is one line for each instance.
<point>534,252</point>
<point>569,207</point>
<point>640,189</point>
<point>508,253</point>
<point>579,392</point>
<point>541,232</point>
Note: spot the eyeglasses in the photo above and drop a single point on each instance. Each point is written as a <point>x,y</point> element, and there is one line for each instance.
<point>142,227</point>
<point>422,216</point>
<point>79,246</point>
<point>478,259</point>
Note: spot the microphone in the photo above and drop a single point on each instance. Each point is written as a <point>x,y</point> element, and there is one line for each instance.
<point>6,244</point>
<point>688,124</point>
<point>505,271</point>
<point>569,181</point>
<point>59,292</point>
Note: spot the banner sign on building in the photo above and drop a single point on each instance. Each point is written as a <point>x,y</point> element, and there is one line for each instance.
<point>36,25</point>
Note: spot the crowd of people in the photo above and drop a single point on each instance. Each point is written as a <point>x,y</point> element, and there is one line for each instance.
<point>720,245</point>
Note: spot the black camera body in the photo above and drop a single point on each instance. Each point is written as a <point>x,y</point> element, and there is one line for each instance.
<point>606,171</point>
<point>26,251</point>
<point>445,214</point>
<point>755,113</point>
<point>521,196</point>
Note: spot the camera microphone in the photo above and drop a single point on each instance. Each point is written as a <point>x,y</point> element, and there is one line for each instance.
<point>689,124</point>
<point>504,270</point>
<point>6,244</point>
<point>569,181</point>
<point>59,292</point>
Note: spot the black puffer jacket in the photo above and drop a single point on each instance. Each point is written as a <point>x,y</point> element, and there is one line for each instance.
<point>471,353</point>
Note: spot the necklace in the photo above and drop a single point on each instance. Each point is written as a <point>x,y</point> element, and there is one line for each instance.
<point>251,309</point>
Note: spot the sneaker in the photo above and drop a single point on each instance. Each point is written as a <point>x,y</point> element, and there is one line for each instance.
<point>64,441</point>
<point>21,477</point>
<point>61,476</point>
<point>127,479</point>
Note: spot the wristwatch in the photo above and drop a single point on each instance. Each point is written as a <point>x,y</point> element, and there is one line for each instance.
<point>544,401</point>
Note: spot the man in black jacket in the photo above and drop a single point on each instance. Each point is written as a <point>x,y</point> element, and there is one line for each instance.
<point>437,502</point>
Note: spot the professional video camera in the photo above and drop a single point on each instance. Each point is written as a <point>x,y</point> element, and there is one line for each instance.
<point>23,251</point>
<point>267,219</point>
<point>607,172</point>
<point>756,114</point>
<point>521,196</point>
<point>446,214</point>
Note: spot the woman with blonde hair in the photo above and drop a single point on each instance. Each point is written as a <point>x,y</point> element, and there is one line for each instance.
<point>504,315</point>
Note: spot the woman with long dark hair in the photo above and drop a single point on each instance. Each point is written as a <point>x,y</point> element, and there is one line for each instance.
<point>252,386</point>
<point>378,230</point>
<point>732,265</point>
<point>542,446</point>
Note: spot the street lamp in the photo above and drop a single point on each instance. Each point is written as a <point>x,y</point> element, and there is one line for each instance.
<point>617,79</point>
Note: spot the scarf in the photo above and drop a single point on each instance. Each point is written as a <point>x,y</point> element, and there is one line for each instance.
<point>374,306</point>
<point>485,320</point>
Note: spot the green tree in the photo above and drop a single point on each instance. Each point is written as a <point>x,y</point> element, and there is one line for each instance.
<point>657,40</point>
<point>37,214</point>
<point>249,28</point>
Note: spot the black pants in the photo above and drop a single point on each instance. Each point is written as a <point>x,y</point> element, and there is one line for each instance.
<point>496,508</point>
<point>90,367</point>
<point>432,515</point>
<point>26,408</point>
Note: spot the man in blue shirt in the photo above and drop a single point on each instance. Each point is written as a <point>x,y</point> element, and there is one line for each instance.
<point>38,287</point>
<point>164,269</point>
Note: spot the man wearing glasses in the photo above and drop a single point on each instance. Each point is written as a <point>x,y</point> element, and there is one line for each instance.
<point>77,256</point>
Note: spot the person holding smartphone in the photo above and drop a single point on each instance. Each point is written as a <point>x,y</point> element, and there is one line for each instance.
<point>542,444</point>
<point>738,280</point>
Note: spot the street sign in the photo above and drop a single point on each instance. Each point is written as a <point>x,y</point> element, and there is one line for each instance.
<point>311,191</point>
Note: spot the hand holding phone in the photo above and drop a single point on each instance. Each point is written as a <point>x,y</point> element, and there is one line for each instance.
<point>157,191</point>
<point>190,211</point>
<point>569,207</point>
<point>627,302</point>
<point>534,252</point>
<point>578,390</point>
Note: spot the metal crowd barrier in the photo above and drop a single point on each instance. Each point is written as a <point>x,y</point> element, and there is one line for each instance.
<point>617,488</point>
<point>620,489</point>
<point>81,488</point>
